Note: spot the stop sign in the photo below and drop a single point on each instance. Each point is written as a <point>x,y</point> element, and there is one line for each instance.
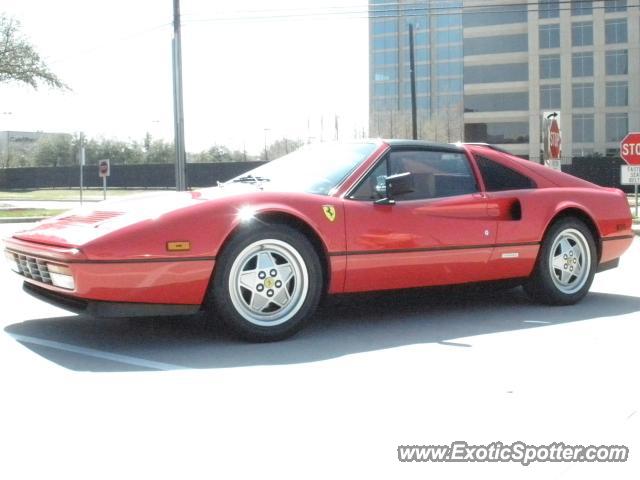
<point>630,148</point>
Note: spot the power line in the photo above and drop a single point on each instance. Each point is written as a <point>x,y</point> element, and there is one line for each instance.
<point>393,5</point>
<point>101,46</point>
<point>397,10</point>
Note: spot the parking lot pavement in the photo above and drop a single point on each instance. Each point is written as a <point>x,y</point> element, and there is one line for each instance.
<point>178,398</point>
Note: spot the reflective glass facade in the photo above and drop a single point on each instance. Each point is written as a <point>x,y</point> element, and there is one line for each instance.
<point>438,48</point>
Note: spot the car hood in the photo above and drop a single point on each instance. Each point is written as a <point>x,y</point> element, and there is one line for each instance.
<point>80,226</point>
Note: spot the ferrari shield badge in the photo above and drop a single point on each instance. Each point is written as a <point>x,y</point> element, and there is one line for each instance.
<point>329,212</point>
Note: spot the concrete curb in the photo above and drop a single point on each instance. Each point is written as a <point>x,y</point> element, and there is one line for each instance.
<point>21,219</point>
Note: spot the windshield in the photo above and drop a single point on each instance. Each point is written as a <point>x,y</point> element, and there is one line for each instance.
<point>312,169</point>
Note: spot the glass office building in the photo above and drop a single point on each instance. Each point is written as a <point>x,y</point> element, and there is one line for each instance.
<point>486,70</point>
<point>438,68</point>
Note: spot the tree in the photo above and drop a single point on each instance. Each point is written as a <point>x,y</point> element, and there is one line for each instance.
<point>54,151</point>
<point>160,152</point>
<point>282,147</point>
<point>19,61</point>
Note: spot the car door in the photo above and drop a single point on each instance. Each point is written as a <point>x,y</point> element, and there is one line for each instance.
<point>512,202</point>
<point>441,233</point>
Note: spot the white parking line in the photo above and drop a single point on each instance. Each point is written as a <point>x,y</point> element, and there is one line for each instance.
<point>90,352</point>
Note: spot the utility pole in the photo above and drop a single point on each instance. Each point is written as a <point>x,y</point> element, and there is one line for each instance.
<point>412,73</point>
<point>178,109</point>
<point>266,152</point>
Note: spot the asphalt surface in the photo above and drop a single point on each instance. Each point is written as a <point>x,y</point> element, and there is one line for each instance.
<point>178,398</point>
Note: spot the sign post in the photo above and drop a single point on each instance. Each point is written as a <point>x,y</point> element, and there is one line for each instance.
<point>630,153</point>
<point>552,138</point>
<point>630,175</point>
<point>104,170</point>
<point>82,159</point>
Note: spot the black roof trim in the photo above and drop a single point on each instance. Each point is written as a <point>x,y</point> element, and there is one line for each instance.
<point>423,144</point>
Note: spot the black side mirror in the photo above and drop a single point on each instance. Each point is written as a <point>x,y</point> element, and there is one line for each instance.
<point>396,185</point>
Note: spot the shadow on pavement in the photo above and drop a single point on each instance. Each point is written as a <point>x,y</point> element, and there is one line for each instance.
<point>344,325</point>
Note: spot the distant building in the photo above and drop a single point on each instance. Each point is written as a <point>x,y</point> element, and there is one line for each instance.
<point>16,146</point>
<point>485,71</point>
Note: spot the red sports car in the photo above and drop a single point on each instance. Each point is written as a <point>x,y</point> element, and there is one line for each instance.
<point>260,250</point>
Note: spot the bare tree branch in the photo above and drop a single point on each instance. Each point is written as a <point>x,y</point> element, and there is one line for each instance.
<point>19,62</point>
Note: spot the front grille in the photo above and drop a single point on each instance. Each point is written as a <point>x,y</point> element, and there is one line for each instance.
<point>32,267</point>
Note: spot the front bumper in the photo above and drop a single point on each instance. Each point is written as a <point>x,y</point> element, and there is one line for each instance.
<point>97,308</point>
<point>172,280</point>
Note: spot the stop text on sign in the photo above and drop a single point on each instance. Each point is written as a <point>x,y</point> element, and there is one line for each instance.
<point>630,149</point>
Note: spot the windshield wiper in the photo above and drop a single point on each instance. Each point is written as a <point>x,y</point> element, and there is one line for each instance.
<point>250,179</point>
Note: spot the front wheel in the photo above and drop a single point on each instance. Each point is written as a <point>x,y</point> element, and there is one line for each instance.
<point>268,282</point>
<point>566,264</point>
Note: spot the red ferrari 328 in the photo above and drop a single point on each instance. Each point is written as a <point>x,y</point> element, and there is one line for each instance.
<point>260,250</point>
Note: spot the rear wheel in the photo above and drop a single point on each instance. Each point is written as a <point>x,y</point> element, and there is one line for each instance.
<point>268,282</point>
<point>566,264</point>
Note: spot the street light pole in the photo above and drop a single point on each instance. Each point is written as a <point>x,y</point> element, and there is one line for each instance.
<point>178,110</point>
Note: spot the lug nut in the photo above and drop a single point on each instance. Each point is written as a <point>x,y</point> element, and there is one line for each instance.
<point>260,287</point>
<point>269,293</point>
<point>273,272</point>
<point>262,275</point>
<point>278,283</point>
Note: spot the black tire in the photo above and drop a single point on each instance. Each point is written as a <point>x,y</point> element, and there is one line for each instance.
<point>275,260</point>
<point>546,283</point>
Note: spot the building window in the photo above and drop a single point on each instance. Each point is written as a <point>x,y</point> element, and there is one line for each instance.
<point>582,34</point>
<point>617,94</point>
<point>615,31</point>
<point>549,66</point>
<point>497,102</point>
<point>383,74</point>
<point>548,9</point>
<point>581,7</point>
<point>615,6</point>
<point>449,36</point>
<point>449,52</point>
<point>582,64</point>
<point>387,57</point>
<point>617,126</point>
<point>616,62</point>
<point>384,26</point>
<point>550,96</point>
<point>482,15</point>
<point>448,69</point>
<point>496,44</point>
<point>445,21</point>
<point>549,36</point>
<point>583,128</point>
<point>507,133</point>
<point>386,42</point>
<point>508,72</point>
<point>582,95</point>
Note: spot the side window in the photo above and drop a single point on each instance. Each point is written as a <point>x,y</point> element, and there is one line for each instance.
<point>435,174</point>
<point>498,178</point>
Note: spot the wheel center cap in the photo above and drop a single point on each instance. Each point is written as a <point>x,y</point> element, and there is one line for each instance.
<point>269,283</point>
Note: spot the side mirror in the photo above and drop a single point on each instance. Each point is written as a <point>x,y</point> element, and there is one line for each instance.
<point>398,184</point>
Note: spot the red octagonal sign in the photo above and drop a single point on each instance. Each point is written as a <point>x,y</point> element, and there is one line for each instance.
<point>630,148</point>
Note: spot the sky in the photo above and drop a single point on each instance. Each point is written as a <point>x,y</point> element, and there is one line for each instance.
<point>251,70</point>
